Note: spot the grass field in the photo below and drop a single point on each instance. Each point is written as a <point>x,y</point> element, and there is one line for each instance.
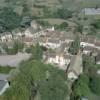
<point>81,3</point>
<point>51,4</point>
<point>58,21</point>
<point>5,69</point>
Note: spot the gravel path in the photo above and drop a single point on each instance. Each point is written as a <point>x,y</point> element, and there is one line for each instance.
<point>13,60</point>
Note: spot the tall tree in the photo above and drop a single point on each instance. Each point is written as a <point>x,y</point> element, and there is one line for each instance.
<point>75,46</point>
<point>37,52</point>
<point>95,84</point>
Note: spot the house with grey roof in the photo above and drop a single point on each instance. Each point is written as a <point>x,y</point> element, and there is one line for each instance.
<point>3,86</point>
<point>91,11</point>
<point>3,83</point>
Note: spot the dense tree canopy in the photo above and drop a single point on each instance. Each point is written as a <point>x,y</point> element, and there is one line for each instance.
<point>33,78</point>
<point>9,19</point>
<point>15,48</point>
<point>62,26</point>
<point>89,66</point>
<point>87,85</point>
<point>80,87</point>
<point>64,13</point>
<point>75,46</point>
<point>96,24</point>
<point>37,52</point>
<point>95,84</point>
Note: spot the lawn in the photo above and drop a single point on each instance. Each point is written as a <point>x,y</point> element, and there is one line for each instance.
<point>58,21</point>
<point>5,69</point>
<point>76,4</point>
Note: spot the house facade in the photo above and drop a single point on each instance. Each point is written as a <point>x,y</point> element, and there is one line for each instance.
<point>6,37</point>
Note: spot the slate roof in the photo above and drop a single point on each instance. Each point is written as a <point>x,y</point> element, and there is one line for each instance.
<point>91,11</point>
<point>2,84</point>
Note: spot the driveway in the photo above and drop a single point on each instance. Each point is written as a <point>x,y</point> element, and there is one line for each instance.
<point>13,60</point>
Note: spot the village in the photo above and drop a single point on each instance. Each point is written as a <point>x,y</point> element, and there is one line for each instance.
<point>58,44</point>
<point>49,49</point>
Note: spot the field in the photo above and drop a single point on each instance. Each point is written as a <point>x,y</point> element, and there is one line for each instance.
<point>51,4</point>
<point>5,69</point>
<point>81,3</point>
<point>57,21</point>
<point>36,6</point>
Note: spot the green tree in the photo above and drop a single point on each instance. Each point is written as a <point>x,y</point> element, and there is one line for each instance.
<point>78,28</point>
<point>37,52</point>
<point>62,26</point>
<point>43,23</point>
<point>64,13</point>
<point>75,46</point>
<point>95,84</point>
<point>81,87</point>
<point>32,77</point>
<point>9,19</point>
<point>16,47</point>
<point>96,24</point>
<point>89,66</point>
<point>54,87</point>
<point>92,30</point>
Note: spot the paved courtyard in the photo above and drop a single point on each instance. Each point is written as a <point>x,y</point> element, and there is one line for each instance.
<point>13,60</point>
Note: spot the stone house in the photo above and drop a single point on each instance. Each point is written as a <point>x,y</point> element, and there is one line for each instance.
<point>7,36</point>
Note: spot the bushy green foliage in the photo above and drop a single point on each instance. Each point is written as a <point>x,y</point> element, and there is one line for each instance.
<point>64,13</point>
<point>81,87</point>
<point>5,69</point>
<point>89,66</point>
<point>75,46</point>
<point>15,48</point>
<point>9,19</point>
<point>54,87</point>
<point>43,23</point>
<point>57,13</point>
<point>91,70</point>
<point>87,85</point>
<point>78,28</point>
<point>37,52</point>
<point>62,26</point>
<point>32,77</point>
<point>95,84</point>
<point>96,24</point>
